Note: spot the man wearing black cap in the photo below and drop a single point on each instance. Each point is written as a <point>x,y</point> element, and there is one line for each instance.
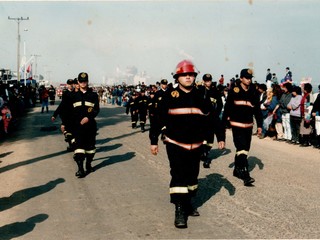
<point>142,100</point>
<point>215,127</point>
<point>162,90</point>
<point>241,105</point>
<point>132,106</point>
<point>85,105</point>
<point>63,110</point>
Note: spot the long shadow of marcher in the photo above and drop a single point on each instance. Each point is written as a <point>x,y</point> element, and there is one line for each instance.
<point>19,229</point>
<point>216,153</point>
<point>113,159</point>
<point>33,160</point>
<point>26,194</point>
<point>108,148</point>
<point>106,140</point>
<point>5,154</point>
<point>253,162</point>
<point>210,186</point>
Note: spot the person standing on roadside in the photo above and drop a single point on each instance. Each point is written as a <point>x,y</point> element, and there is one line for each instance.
<point>241,105</point>
<point>182,113</point>
<point>285,112</point>
<point>85,105</point>
<point>294,107</point>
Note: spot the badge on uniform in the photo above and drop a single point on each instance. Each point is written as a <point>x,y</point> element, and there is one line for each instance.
<point>236,89</point>
<point>83,75</point>
<point>90,109</point>
<point>213,100</point>
<point>175,94</point>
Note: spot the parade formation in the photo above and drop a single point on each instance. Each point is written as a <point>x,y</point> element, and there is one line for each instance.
<point>187,116</point>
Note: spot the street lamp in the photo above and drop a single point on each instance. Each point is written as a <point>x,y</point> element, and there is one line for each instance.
<point>18,20</point>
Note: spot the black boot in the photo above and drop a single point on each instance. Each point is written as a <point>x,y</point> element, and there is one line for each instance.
<point>42,110</point>
<point>89,168</point>
<point>134,124</point>
<point>180,220</point>
<point>79,160</point>
<point>142,127</point>
<point>243,173</point>
<point>206,160</point>
<point>191,211</point>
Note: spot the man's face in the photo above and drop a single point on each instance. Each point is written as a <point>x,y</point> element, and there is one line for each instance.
<point>207,83</point>
<point>186,80</point>
<point>246,81</point>
<point>83,85</point>
<point>164,86</point>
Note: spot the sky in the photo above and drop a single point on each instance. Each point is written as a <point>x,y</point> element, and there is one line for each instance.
<point>109,39</point>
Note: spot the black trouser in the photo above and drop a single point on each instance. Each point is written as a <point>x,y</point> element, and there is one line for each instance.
<point>295,127</point>
<point>184,170</point>
<point>85,140</point>
<point>134,119</point>
<point>242,141</point>
<point>143,117</point>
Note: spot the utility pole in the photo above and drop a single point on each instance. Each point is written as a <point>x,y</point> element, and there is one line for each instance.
<point>18,20</point>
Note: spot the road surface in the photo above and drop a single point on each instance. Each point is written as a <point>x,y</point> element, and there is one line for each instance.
<point>127,197</point>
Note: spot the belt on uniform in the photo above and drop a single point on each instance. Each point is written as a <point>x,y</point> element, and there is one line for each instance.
<point>188,146</point>
<point>241,125</point>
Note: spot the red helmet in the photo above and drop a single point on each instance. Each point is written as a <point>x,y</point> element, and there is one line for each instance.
<point>184,66</point>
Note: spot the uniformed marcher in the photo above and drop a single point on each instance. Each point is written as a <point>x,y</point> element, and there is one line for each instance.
<point>161,91</point>
<point>132,106</point>
<point>151,107</point>
<point>142,100</point>
<point>63,110</point>
<point>85,104</point>
<point>182,114</point>
<point>241,105</point>
<point>215,126</point>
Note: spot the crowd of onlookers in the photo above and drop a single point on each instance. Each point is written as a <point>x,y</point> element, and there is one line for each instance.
<point>14,100</point>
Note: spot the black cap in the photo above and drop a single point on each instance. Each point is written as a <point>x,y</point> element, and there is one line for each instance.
<point>83,77</point>
<point>246,73</point>
<point>207,77</point>
<point>70,81</point>
<point>164,81</point>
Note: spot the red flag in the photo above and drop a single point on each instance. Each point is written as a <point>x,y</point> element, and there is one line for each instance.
<point>29,68</point>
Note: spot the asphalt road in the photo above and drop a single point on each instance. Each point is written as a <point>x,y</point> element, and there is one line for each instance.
<point>127,196</point>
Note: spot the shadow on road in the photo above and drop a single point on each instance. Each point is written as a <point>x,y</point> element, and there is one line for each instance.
<point>216,153</point>
<point>113,159</point>
<point>210,186</point>
<point>108,148</point>
<point>5,154</point>
<point>26,194</point>
<point>106,140</point>
<point>253,162</point>
<point>33,160</point>
<point>19,229</point>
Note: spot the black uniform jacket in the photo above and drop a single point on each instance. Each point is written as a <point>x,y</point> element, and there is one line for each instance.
<point>132,105</point>
<point>241,106</point>
<point>85,105</point>
<point>65,108</point>
<point>181,116</point>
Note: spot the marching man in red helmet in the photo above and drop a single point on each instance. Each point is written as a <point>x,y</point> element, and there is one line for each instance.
<point>182,113</point>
